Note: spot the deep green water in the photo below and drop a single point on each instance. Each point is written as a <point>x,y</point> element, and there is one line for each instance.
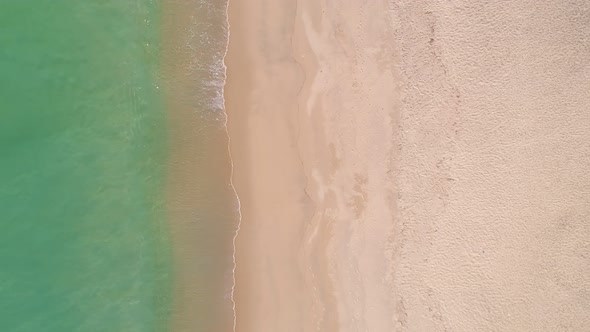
<point>83,237</point>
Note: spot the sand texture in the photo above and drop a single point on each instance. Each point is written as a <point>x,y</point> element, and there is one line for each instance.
<point>411,165</point>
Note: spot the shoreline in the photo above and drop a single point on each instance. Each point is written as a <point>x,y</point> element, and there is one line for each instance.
<point>231,176</point>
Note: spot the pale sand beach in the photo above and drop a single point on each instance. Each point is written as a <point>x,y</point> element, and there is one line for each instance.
<point>410,165</point>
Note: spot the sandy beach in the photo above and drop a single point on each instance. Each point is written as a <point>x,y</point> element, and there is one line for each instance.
<point>410,166</point>
<point>313,148</point>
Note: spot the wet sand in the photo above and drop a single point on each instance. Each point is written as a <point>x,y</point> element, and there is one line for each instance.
<point>410,166</point>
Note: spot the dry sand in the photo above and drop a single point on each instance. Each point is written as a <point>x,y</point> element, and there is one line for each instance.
<point>411,165</point>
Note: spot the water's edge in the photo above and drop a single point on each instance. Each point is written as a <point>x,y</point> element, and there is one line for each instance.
<point>237,197</point>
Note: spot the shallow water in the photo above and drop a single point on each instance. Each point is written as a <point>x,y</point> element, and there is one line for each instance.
<point>203,205</point>
<point>85,240</point>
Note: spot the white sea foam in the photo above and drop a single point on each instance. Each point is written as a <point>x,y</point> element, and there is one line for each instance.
<point>233,302</point>
<point>210,50</point>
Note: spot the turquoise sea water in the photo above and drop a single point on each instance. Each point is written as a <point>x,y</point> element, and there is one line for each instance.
<point>84,244</point>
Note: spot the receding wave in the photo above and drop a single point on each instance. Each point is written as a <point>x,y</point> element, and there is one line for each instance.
<point>207,217</point>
